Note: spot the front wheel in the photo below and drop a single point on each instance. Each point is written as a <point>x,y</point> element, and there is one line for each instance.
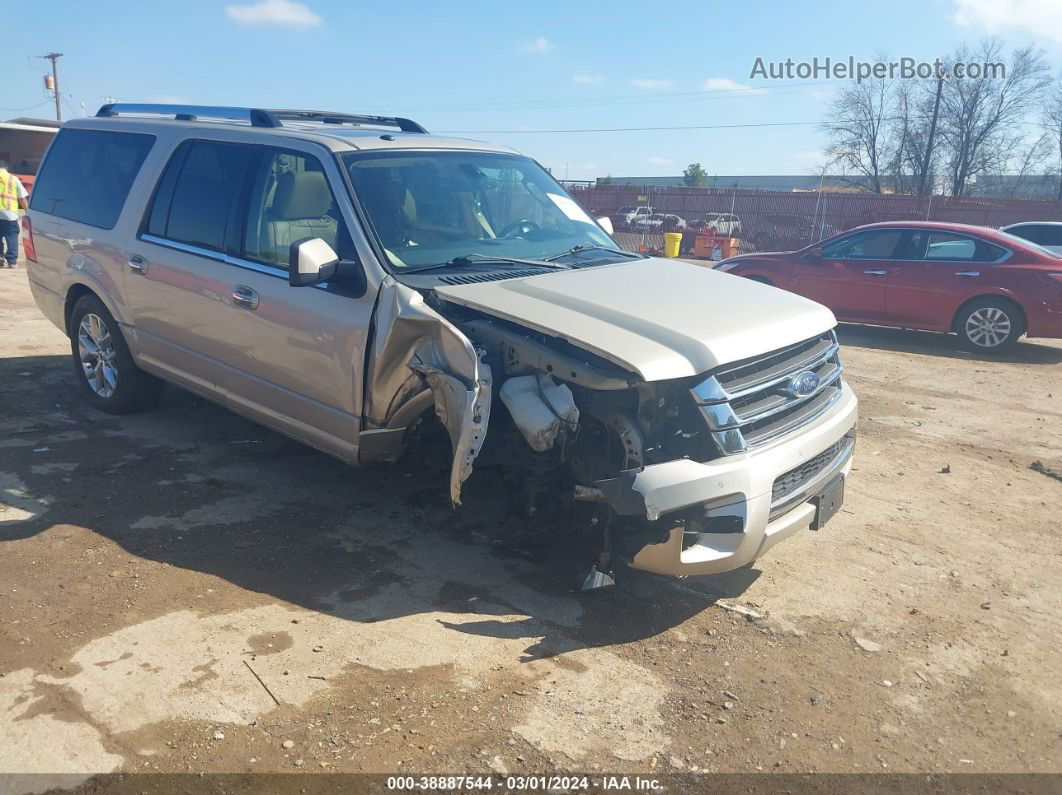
<point>103,366</point>
<point>989,325</point>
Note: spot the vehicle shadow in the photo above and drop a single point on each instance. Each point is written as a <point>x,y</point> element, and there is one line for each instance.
<point>193,485</point>
<point>945,345</point>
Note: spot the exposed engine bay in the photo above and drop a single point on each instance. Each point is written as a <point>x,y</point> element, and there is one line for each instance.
<point>566,425</point>
<point>680,443</point>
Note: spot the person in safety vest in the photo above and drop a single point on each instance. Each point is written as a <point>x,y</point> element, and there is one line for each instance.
<point>12,199</point>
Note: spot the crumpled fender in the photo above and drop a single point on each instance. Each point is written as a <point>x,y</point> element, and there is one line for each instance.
<point>414,345</point>
<point>464,412</point>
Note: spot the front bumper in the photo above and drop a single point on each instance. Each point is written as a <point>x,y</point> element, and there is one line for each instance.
<point>738,490</point>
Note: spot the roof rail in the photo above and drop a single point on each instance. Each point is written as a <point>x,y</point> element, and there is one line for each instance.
<point>256,117</point>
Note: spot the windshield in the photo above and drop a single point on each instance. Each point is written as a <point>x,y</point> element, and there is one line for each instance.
<point>428,208</point>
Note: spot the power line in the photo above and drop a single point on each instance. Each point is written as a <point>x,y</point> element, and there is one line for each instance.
<point>635,129</point>
<point>632,99</point>
<point>29,107</point>
<point>73,113</point>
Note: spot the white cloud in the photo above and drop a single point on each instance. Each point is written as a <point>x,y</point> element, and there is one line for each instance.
<point>724,84</point>
<point>1038,17</point>
<point>274,12</point>
<point>655,85</point>
<point>659,161</point>
<point>537,46</point>
<point>588,80</point>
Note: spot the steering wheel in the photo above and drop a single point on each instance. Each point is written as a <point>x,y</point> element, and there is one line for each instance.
<point>525,225</point>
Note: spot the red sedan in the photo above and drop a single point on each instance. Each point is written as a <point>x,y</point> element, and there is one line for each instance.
<point>988,287</point>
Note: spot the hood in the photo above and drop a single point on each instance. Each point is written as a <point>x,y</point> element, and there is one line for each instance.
<point>658,318</point>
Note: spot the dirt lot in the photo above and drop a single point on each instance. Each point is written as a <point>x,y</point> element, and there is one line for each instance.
<point>183,590</point>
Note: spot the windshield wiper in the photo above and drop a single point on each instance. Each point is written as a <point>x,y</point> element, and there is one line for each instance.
<point>485,259</point>
<point>591,247</point>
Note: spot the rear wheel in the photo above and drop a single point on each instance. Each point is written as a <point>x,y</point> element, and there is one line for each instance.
<point>989,325</point>
<point>103,366</point>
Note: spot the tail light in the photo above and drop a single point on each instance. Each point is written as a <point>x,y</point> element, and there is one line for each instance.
<point>27,244</point>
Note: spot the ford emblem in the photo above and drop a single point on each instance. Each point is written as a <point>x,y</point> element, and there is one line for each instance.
<point>801,384</point>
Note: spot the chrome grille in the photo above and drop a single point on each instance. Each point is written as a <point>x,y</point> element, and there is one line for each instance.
<point>796,479</point>
<point>754,402</point>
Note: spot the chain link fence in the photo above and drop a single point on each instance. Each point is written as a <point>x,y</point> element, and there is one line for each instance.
<point>777,221</point>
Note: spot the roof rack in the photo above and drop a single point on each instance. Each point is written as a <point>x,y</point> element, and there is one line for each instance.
<point>256,117</point>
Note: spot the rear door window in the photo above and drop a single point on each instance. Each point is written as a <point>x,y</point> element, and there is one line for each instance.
<point>949,247</point>
<point>87,175</point>
<point>196,200</point>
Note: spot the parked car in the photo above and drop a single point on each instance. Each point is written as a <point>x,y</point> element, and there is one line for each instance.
<point>665,222</point>
<point>984,285</point>
<point>1047,234</point>
<point>353,281</point>
<point>626,216</point>
<point>724,224</point>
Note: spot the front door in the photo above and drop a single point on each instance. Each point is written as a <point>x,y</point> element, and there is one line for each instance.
<point>850,275</point>
<point>296,354</point>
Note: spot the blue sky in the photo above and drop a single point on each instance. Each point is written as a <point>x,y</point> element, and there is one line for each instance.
<point>477,66</point>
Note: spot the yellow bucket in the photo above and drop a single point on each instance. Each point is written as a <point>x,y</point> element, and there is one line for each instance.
<point>672,243</point>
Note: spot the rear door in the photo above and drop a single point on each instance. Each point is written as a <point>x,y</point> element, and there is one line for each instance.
<point>940,271</point>
<point>851,275</point>
<point>177,285</point>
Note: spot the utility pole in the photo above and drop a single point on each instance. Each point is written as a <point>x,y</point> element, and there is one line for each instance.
<point>932,132</point>
<point>54,58</point>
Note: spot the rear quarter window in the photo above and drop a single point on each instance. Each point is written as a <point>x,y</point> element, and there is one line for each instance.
<point>87,174</point>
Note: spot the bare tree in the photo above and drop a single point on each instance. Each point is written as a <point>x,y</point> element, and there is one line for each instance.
<point>982,120</point>
<point>859,129</point>
<point>912,107</point>
<point>1052,123</point>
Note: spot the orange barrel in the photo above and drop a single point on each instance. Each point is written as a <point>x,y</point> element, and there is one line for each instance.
<point>728,247</point>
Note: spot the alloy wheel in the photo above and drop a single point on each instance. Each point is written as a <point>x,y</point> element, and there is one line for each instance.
<point>988,327</point>
<point>99,360</point>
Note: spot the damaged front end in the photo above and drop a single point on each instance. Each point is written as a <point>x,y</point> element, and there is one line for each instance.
<point>656,473</point>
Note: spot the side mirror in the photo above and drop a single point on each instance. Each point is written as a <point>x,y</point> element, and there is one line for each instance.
<point>815,253</point>
<point>605,223</point>
<point>311,261</point>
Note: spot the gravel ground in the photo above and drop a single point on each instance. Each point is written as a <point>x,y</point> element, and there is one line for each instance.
<point>185,591</point>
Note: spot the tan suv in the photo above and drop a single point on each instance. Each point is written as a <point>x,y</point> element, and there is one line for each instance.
<point>348,280</point>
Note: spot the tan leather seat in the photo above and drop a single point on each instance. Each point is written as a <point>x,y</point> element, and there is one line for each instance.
<point>300,209</point>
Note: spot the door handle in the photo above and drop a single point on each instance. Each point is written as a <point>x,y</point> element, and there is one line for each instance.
<point>876,272</point>
<point>137,264</point>
<point>244,297</point>
<point>967,273</point>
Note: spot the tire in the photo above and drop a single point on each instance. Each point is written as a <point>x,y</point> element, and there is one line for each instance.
<point>989,325</point>
<point>115,384</point>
